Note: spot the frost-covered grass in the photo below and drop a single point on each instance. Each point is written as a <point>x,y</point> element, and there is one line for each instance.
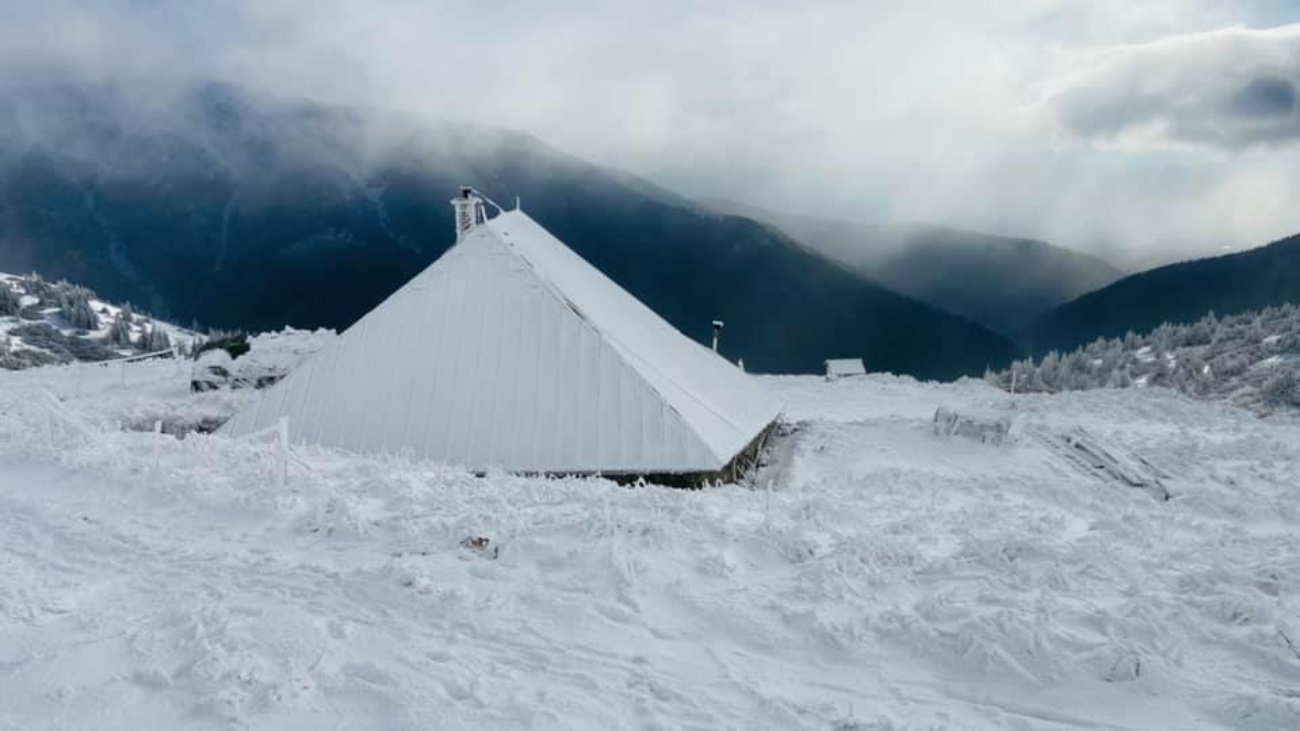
<point>875,576</point>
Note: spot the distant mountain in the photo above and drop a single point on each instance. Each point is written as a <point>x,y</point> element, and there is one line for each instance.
<point>1178,293</point>
<point>242,211</point>
<point>1003,283</point>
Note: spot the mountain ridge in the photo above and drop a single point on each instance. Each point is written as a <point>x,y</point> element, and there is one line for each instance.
<point>1183,292</point>
<point>1001,282</point>
<point>247,212</point>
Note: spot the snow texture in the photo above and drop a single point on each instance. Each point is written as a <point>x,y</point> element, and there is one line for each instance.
<point>874,576</point>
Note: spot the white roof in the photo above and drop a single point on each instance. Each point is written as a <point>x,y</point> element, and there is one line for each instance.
<point>513,352</point>
<point>845,367</point>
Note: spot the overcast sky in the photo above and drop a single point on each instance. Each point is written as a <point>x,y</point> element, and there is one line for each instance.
<point>1142,130</point>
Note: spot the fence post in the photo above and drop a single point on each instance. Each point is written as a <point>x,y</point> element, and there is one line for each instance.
<point>284,451</point>
<point>157,446</point>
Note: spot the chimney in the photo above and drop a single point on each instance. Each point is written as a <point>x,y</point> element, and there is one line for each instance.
<point>717,333</point>
<point>469,211</point>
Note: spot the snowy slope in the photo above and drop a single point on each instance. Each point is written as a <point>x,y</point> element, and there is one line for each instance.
<point>40,306</point>
<point>876,576</point>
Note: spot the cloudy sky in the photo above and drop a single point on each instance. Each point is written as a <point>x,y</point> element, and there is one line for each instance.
<point>1142,130</point>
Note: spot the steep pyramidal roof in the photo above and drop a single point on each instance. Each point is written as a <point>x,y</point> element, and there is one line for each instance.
<point>513,352</point>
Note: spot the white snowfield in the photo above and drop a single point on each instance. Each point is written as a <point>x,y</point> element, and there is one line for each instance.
<point>877,576</point>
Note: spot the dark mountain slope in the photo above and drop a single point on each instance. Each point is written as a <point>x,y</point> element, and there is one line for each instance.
<point>1003,283</point>
<point>241,211</point>
<point>1178,293</point>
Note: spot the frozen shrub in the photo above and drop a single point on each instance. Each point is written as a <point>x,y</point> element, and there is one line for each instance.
<point>40,335</point>
<point>61,348</point>
<point>89,349</point>
<point>1214,356</point>
<point>1283,390</point>
<point>18,360</point>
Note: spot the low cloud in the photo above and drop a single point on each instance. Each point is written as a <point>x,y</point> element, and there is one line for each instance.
<point>1227,89</point>
<point>1155,127</point>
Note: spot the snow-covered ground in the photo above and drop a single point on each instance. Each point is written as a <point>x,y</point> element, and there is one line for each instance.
<point>877,576</point>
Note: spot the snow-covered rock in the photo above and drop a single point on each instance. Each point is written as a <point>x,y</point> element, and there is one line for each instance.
<point>269,357</point>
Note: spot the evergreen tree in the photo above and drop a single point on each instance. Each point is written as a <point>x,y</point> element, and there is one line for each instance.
<point>119,333</point>
<point>1047,377</point>
<point>1120,378</point>
<point>154,340</point>
<point>10,303</point>
<point>75,307</point>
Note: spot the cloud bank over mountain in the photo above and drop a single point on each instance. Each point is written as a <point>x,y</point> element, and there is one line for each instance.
<point>1135,130</point>
<point>1227,89</point>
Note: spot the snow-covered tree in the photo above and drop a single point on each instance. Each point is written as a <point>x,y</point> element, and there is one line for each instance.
<point>75,307</point>
<point>119,333</point>
<point>1283,390</point>
<point>1234,357</point>
<point>10,303</point>
<point>154,339</point>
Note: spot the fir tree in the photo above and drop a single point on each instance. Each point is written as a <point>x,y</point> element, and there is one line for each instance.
<point>10,303</point>
<point>75,307</point>
<point>119,333</point>
<point>154,340</point>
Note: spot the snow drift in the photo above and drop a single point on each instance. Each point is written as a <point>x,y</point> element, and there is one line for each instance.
<point>876,577</point>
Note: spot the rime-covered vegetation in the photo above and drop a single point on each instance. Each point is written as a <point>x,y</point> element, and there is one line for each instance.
<point>1252,359</point>
<point>50,323</point>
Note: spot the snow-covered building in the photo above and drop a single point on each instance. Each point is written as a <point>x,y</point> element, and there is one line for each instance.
<point>512,352</point>
<point>843,367</point>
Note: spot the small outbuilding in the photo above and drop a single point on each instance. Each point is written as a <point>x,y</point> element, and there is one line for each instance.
<point>844,367</point>
<point>511,352</point>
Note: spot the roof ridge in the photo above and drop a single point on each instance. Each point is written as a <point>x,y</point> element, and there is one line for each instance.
<point>622,346</point>
<point>623,351</point>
